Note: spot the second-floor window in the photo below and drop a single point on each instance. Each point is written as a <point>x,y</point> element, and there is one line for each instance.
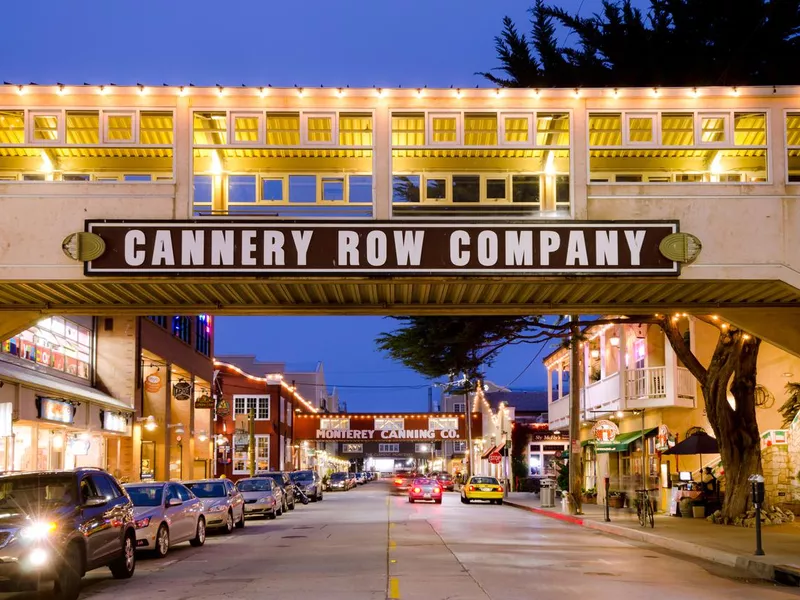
<point>459,407</point>
<point>260,404</point>
<point>459,447</point>
<point>182,328</point>
<point>203,338</point>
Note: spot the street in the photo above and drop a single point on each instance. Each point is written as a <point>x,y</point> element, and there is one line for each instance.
<point>366,544</point>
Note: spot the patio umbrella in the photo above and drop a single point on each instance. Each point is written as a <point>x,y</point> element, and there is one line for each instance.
<point>699,443</point>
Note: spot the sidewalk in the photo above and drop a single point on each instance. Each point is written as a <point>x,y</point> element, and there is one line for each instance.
<point>731,546</point>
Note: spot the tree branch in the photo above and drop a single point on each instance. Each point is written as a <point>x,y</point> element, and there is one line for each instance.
<point>688,358</point>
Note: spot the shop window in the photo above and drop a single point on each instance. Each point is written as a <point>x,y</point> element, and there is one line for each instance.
<point>749,129</point>
<point>210,128</point>
<point>435,189</point>
<point>156,128</point>
<point>118,127</point>
<point>260,404</point>
<point>389,448</point>
<point>424,448</point>
<point>605,129</point>
<point>408,129</point>
<point>137,178</point>
<point>75,177</point>
<point>45,127</point>
<point>241,460</point>
<point>55,343</point>
<point>496,189</point>
<point>552,129</point>
<point>202,341</point>
<point>352,448</point>
<point>182,328</point>
<point>12,127</point>
<point>355,129</point>
<point>283,129</point>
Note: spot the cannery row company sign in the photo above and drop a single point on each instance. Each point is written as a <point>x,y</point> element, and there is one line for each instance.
<point>216,248</point>
<point>374,434</point>
<point>360,427</point>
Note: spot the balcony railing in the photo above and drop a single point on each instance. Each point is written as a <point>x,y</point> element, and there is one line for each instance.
<point>648,382</point>
<point>558,413</point>
<point>602,395</point>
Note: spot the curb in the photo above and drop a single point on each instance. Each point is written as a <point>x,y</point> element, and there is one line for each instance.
<point>756,568</point>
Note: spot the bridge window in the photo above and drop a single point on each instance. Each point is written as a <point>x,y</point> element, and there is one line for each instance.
<point>352,448</point>
<point>202,341</point>
<point>389,448</point>
<point>182,328</point>
<point>308,164</point>
<point>677,147</point>
<point>335,424</point>
<point>793,146</point>
<point>86,145</point>
<point>480,163</point>
<point>390,424</point>
<point>440,423</point>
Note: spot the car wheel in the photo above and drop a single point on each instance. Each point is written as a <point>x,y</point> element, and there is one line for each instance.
<point>124,566</point>
<point>285,506</point>
<point>229,522</point>
<point>411,501</point>
<point>499,502</point>
<point>463,500</point>
<point>279,511</point>
<point>291,506</point>
<point>240,522</point>
<point>200,535</point>
<point>320,496</point>
<point>273,514</point>
<point>438,501</point>
<point>162,541</point>
<point>68,583</point>
<point>314,498</point>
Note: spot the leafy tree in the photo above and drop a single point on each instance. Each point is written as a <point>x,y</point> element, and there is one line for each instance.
<point>791,407</point>
<point>670,43</point>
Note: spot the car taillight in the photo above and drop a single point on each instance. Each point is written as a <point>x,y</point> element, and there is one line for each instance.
<point>472,488</point>
<point>436,490</point>
<point>398,481</point>
<point>417,490</point>
<point>499,488</point>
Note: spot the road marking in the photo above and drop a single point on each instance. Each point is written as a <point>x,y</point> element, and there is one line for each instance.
<point>392,544</point>
<point>394,588</point>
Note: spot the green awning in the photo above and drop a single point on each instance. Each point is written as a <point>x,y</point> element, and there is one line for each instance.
<point>620,443</point>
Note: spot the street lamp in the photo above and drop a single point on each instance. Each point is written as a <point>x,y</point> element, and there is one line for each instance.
<point>150,423</point>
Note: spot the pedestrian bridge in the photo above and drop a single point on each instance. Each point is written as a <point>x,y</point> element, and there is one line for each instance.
<point>400,201</point>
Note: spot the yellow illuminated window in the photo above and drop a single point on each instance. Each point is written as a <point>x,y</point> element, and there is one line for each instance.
<point>713,129</point>
<point>605,129</point>
<point>119,127</point>
<point>516,130</point>
<point>210,128</point>
<point>480,129</point>
<point>12,127</point>
<point>155,127</point>
<point>355,129</point>
<point>83,127</point>
<point>283,129</point>
<point>677,129</point>
<point>247,128</point>
<point>444,130</point>
<point>45,127</point>
<point>408,129</point>
<point>640,129</point>
<point>319,129</point>
<point>749,129</point>
<point>552,129</point>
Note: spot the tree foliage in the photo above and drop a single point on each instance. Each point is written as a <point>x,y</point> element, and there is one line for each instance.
<point>670,43</point>
<point>791,407</point>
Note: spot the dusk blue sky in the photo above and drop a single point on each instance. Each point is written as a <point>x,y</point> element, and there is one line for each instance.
<point>384,43</point>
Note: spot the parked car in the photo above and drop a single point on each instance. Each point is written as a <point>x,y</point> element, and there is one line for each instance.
<point>262,497</point>
<point>446,481</point>
<point>482,488</point>
<point>166,514</point>
<point>309,481</point>
<point>58,525</point>
<point>285,482</point>
<point>339,481</point>
<point>424,488</point>
<point>352,480</point>
<point>223,504</point>
<point>361,478</point>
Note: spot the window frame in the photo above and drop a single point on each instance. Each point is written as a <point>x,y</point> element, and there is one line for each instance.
<point>247,114</point>
<point>389,448</point>
<point>502,116</point>
<point>429,130</point>
<point>727,117</point>
<point>304,118</point>
<point>104,128</point>
<point>237,456</point>
<point>258,398</point>
<point>61,127</point>
<point>655,128</point>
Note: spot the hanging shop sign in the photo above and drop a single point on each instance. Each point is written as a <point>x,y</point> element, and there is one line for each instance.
<point>605,431</point>
<point>214,248</point>
<point>182,390</point>
<point>153,383</point>
<point>59,411</point>
<point>78,445</point>
<point>241,442</point>
<point>204,401</point>
<point>223,407</point>
<point>114,421</point>
<point>664,440</point>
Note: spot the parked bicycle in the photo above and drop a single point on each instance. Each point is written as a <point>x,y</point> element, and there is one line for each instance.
<point>644,507</point>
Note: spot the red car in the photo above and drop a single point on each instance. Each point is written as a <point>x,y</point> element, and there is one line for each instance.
<point>425,489</point>
<point>446,481</point>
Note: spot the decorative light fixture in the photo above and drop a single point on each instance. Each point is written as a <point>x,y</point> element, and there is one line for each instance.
<point>614,341</point>
<point>595,353</point>
<point>182,91</point>
<point>20,89</point>
<point>150,423</point>
<point>202,436</point>
<point>61,90</point>
<point>178,427</point>
<point>620,414</point>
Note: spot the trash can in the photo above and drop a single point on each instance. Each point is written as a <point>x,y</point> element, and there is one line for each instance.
<point>547,495</point>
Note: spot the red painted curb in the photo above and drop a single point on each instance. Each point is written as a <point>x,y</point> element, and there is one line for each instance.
<point>547,513</point>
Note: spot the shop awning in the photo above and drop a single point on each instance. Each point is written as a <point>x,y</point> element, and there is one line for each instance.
<point>48,384</point>
<point>620,443</point>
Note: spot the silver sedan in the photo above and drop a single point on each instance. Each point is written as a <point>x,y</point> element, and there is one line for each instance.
<point>166,514</point>
<point>262,497</point>
<point>223,504</point>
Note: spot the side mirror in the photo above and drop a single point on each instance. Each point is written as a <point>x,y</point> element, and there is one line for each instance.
<point>95,501</point>
<point>174,502</point>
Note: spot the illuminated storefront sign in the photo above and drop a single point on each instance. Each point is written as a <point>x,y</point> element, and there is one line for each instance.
<point>55,410</point>
<point>115,422</point>
<point>55,343</point>
<point>230,248</point>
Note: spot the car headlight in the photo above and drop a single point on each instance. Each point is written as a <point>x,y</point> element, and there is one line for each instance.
<point>267,500</point>
<point>218,508</point>
<point>38,531</point>
<point>142,523</point>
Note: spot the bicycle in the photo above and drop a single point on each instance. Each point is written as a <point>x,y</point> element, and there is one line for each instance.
<point>644,507</point>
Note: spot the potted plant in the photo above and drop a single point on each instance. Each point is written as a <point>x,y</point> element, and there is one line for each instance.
<point>589,496</point>
<point>616,499</point>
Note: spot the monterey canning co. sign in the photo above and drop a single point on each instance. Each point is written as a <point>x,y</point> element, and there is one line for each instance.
<point>215,248</point>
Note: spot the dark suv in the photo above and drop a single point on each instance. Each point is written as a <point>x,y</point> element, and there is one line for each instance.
<point>57,525</point>
<point>287,485</point>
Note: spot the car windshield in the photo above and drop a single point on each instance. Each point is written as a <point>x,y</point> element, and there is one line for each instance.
<point>146,495</point>
<point>303,476</point>
<point>207,489</point>
<point>254,485</point>
<point>338,476</point>
<point>445,476</point>
<point>31,490</point>
<point>423,481</point>
<point>484,480</point>
<point>277,477</point>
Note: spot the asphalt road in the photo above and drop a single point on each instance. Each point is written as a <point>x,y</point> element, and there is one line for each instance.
<point>368,545</point>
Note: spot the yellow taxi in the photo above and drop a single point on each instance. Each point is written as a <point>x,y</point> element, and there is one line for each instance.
<point>479,487</point>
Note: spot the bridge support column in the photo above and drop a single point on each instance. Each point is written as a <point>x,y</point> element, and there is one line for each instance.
<point>12,322</point>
